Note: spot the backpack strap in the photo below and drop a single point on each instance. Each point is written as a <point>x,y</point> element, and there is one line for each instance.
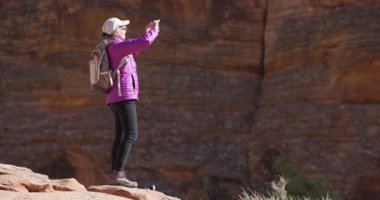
<point>123,61</point>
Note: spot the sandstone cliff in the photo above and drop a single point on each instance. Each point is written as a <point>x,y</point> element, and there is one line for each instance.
<point>227,87</point>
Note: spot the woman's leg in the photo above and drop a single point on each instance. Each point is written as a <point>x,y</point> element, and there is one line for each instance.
<point>118,135</point>
<point>125,135</point>
<point>128,121</point>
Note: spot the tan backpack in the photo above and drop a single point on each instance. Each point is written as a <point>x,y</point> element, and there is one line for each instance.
<point>101,74</point>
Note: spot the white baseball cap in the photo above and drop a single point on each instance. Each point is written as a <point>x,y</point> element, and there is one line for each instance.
<point>111,24</point>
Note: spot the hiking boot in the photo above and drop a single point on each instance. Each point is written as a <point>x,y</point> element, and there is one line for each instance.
<point>119,178</point>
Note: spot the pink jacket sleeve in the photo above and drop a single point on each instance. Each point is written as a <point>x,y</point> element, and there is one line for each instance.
<point>135,45</point>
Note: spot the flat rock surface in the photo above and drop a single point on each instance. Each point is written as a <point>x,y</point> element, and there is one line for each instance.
<point>69,184</point>
<point>132,193</point>
<point>7,195</point>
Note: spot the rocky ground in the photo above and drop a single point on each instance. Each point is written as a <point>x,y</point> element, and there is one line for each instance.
<point>19,183</point>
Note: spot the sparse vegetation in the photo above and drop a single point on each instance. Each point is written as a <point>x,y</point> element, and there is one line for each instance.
<point>278,192</point>
<point>299,185</point>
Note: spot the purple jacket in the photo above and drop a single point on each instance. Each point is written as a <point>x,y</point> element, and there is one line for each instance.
<point>129,81</point>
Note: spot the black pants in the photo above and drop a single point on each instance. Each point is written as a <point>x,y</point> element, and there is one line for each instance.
<point>125,132</point>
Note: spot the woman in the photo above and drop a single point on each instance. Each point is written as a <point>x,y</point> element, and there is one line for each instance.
<point>125,93</point>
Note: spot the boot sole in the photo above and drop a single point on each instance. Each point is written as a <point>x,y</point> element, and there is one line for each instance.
<point>125,185</point>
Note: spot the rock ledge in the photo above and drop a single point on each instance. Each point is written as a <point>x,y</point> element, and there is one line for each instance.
<point>18,183</point>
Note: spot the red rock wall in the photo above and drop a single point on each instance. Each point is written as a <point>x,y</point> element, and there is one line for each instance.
<point>319,97</point>
<point>225,83</point>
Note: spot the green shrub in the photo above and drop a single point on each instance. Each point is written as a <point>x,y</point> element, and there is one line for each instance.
<point>299,185</point>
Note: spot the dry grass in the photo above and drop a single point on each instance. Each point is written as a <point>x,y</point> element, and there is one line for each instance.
<point>278,193</point>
